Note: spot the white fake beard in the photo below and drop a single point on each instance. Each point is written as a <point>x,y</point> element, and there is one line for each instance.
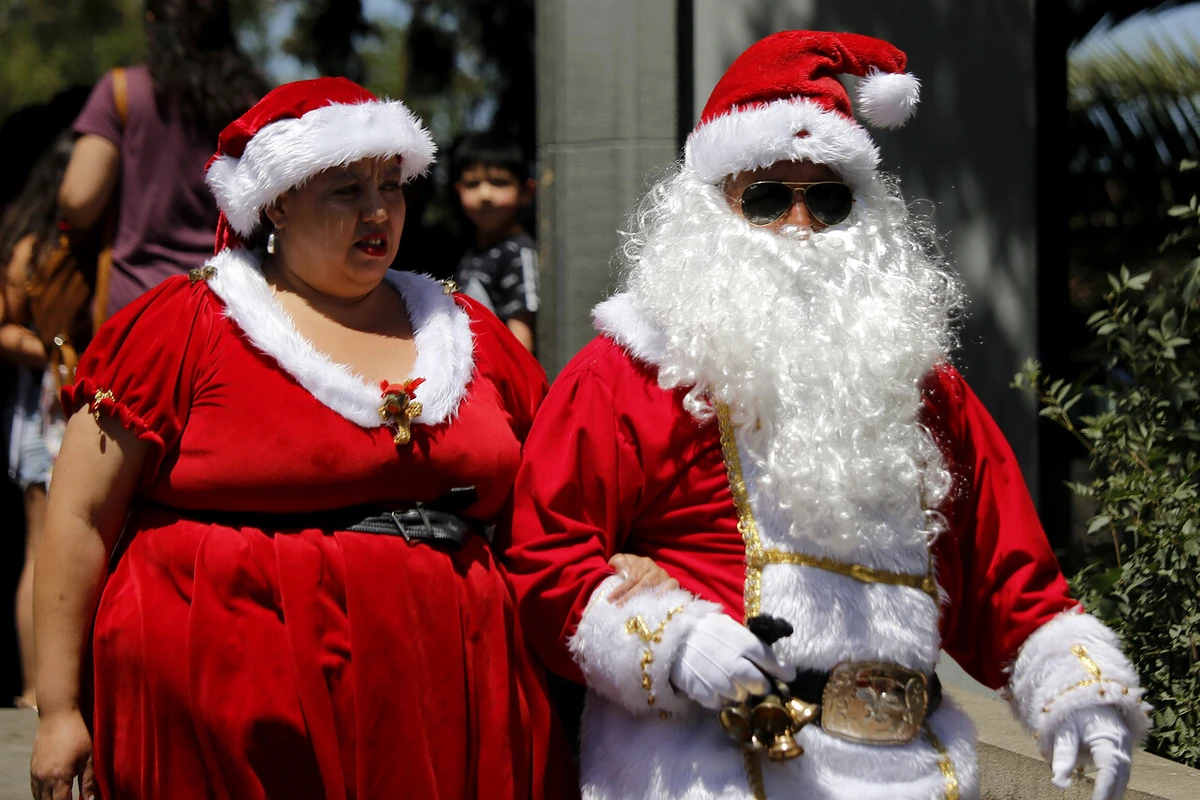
<point>817,342</point>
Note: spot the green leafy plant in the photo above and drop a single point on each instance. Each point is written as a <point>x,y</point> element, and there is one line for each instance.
<point>1137,416</point>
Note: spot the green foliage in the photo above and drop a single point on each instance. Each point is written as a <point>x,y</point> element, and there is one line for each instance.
<point>48,47</point>
<point>1143,435</point>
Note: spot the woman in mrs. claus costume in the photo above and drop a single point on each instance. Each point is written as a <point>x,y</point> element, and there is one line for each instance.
<point>271,628</point>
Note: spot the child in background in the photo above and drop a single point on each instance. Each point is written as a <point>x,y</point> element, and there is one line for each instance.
<point>500,268</point>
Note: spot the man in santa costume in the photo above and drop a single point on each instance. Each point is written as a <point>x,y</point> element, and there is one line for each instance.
<point>769,413</point>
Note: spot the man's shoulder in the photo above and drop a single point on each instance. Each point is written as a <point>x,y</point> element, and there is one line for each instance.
<point>606,362</point>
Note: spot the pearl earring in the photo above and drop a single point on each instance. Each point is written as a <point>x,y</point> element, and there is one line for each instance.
<point>271,243</point>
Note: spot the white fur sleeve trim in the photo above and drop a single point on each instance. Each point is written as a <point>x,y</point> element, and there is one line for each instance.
<point>626,651</point>
<point>1073,663</point>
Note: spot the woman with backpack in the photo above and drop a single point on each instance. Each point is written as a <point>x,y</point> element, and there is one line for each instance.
<point>146,133</point>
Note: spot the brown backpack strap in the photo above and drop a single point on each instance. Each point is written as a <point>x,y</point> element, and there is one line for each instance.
<point>120,89</point>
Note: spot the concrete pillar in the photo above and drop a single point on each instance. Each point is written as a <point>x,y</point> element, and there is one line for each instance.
<point>967,158</point>
<point>606,122</point>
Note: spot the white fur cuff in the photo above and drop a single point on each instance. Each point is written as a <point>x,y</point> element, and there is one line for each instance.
<point>1072,663</point>
<point>626,651</point>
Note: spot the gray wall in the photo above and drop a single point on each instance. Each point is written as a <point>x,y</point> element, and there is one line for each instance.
<point>606,121</point>
<point>967,156</point>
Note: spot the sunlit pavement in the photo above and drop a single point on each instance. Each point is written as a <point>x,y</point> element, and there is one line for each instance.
<point>16,741</point>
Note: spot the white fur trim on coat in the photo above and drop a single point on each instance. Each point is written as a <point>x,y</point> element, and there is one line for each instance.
<point>888,99</point>
<point>611,647</point>
<point>758,137</point>
<point>1049,682</point>
<point>288,152</point>
<point>441,334</point>
<point>626,324</point>
<point>687,756</point>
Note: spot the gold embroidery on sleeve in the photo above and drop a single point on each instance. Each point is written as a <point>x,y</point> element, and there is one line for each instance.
<point>637,625</point>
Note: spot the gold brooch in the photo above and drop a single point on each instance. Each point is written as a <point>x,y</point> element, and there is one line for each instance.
<point>400,407</point>
<point>204,274</point>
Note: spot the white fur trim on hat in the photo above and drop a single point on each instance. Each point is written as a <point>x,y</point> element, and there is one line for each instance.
<point>888,99</point>
<point>441,334</point>
<point>785,130</point>
<point>288,152</point>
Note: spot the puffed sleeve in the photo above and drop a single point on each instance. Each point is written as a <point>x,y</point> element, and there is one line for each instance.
<point>1012,622</point>
<point>517,375</point>
<point>575,500</point>
<point>145,365</point>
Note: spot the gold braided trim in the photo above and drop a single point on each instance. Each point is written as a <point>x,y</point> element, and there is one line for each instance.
<point>754,774</point>
<point>757,557</point>
<point>858,572</point>
<point>944,763</point>
<point>637,625</point>
<point>1080,652</point>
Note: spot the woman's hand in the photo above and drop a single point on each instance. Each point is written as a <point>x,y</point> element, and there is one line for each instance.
<point>638,574</point>
<point>62,752</point>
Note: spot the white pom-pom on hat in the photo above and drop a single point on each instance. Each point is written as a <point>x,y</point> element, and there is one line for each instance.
<point>888,99</point>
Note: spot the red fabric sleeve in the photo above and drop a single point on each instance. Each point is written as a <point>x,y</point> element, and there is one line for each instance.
<point>518,376</point>
<point>995,562</point>
<point>145,363</point>
<point>99,115</point>
<point>575,495</point>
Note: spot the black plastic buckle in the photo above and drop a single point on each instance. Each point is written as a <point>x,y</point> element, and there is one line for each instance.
<point>398,519</point>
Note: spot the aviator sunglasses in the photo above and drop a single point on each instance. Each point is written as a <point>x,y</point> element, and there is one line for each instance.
<point>829,202</point>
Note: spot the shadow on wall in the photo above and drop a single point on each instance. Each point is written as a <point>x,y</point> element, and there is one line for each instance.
<point>970,151</point>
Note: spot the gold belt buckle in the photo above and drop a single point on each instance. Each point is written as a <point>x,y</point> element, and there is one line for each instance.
<point>874,702</point>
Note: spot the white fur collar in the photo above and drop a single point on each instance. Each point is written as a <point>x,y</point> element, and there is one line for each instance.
<point>442,335</point>
<point>621,320</point>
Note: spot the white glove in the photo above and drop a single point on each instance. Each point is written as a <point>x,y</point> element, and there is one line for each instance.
<point>721,662</point>
<point>1106,736</point>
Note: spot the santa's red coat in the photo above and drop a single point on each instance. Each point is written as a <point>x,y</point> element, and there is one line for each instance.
<point>616,464</point>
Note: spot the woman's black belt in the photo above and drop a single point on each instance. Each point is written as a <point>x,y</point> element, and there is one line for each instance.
<point>439,520</point>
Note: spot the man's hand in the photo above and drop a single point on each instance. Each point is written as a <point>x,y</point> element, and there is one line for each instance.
<point>1106,736</point>
<point>721,662</point>
<point>638,573</point>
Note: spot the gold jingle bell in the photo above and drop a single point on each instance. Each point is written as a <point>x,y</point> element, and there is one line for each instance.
<point>735,720</point>
<point>772,723</point>
<point>784,748</point>
<point>801,712</point>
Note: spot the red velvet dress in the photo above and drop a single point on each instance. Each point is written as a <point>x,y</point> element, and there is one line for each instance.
<point>235,662</point>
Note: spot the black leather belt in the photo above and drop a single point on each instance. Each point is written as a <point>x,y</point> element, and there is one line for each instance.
<point>438,521</point>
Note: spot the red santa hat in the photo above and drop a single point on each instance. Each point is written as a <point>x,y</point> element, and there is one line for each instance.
<point>298,130</point>
<point>781,100</point>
